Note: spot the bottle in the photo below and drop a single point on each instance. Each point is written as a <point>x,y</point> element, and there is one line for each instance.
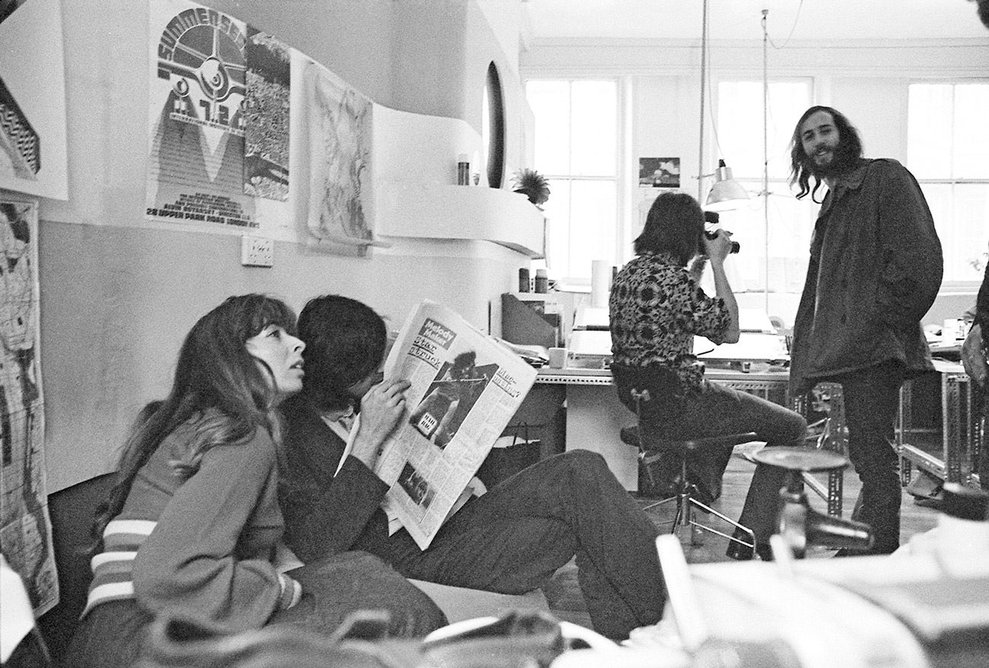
<point>523,280</point>
<point>542,281</point>
<point>463,170</point>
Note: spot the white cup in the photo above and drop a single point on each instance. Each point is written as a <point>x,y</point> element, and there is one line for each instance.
<point>949,331</point>
<point>557,358</point>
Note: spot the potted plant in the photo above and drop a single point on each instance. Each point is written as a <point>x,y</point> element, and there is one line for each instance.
<point>532,184</point>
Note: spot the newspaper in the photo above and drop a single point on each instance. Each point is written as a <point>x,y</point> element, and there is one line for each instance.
<point>466,386</point>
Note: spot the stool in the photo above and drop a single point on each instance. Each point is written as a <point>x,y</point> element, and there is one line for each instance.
<point>799,524</point>
<point>684,490</point>
<point>829,434</point>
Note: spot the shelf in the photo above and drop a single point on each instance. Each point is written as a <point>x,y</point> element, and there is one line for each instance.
<point>429,211</point>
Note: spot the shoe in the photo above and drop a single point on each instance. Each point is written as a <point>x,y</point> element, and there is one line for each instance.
<point>845,552</point>
<point>740,552</point>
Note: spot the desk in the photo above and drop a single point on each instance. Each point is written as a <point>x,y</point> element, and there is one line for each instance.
<point>595,416</point>
<point>963,430</point>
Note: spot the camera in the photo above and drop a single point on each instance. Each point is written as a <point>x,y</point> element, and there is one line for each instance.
<point>713,217</point>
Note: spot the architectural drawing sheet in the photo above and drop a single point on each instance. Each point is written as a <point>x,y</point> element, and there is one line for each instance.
<point>338,139</point>
<point>32,99</point>
<point>25,529</point>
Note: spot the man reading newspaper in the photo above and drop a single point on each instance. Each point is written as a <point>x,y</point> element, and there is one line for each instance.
<point>359,442</point>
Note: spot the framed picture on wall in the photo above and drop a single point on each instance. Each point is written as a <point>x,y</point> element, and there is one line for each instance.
<point>659,172</point>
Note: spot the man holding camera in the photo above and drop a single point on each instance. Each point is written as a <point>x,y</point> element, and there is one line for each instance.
<point>656,309</point>
<point>875,269</point>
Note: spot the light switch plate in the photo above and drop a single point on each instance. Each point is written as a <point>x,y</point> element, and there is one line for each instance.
<point>257,251</point>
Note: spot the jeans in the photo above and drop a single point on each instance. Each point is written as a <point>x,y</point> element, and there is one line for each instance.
<point>513,538</point>
<point>871,398</point>
<point>718,410</point>
<point>114,633</point>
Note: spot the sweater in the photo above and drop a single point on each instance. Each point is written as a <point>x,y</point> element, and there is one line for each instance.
<point>204,545</point>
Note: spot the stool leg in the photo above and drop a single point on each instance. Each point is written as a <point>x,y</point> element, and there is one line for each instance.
<point>747,531</point>
<point>659,503</point>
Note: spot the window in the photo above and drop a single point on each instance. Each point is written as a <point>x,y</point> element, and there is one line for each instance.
<point>948,153</point>
<point>774,231</point>
<point>576,148</point>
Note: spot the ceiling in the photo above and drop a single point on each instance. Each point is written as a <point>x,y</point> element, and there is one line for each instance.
<point>741,19</point>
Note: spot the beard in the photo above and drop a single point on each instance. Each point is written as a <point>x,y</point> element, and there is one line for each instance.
<point>843,160</point>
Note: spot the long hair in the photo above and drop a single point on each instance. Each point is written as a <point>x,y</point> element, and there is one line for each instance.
<point>674,225</point>
<point>345,342</point>
<point>214,371</point>
<point>801,167</point>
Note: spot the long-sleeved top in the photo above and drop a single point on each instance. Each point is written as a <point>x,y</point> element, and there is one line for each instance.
<point>326,510</point>
<point>656,308</point>
<point>875,269</point>
<point>203,545</point>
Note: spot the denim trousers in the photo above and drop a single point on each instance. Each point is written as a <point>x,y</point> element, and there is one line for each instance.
<point>716,410</point>
<point>114,634</point>
<point>514,538</point>
<point>871,398</point>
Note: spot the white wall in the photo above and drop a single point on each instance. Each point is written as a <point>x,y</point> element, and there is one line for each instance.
<point>118,294</point>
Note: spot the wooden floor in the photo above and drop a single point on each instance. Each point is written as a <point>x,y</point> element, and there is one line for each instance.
<point>563,592</point>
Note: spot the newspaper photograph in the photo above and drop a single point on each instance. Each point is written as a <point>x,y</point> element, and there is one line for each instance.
<point>465,388</point>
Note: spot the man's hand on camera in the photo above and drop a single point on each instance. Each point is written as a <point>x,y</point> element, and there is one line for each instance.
<point>719,247</point>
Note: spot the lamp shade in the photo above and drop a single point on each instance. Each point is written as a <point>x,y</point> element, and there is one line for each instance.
<point>726,193</point>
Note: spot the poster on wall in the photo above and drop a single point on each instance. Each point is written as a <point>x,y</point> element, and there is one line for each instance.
<point>25,527</point>
<point>32,99</point>
<point>266,117</point>
<point>198,67</point>
<point>338,140</point>
<point>659,172</point>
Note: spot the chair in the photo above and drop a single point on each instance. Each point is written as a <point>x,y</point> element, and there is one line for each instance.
<point>71,511</point>
<point>643,391</point>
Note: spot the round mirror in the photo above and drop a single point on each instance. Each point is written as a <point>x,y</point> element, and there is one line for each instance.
<point>493,127</point>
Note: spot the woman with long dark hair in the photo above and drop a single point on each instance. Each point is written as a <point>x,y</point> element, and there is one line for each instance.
<point>192,526</point>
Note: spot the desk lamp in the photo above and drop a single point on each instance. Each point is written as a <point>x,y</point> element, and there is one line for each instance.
<point>726,193</point>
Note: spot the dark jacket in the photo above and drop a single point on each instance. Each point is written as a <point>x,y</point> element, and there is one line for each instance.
<point>325,512</point>
<point>875,269</point>
<point>982,308</point>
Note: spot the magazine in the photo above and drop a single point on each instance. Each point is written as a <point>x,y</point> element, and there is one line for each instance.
<point>466,386</point>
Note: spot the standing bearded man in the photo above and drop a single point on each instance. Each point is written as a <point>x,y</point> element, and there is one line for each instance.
<point>875,269</point>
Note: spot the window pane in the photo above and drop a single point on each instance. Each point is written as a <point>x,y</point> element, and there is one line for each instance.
<point>928,131</point>
<point>550,104</point>
<point>740,125</point>
<point>790,224</point>
<point>971,145</point>
<point>557,211</point>
<point>740,128</point>
<point>960,212</point>
<point>595,116</point>
<point>593,224</point>
<point>576,135</point>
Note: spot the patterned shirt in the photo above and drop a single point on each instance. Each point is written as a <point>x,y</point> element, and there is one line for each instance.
<point>656,309</point>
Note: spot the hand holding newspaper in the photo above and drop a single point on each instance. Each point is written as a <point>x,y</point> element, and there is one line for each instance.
<point>466,386</point>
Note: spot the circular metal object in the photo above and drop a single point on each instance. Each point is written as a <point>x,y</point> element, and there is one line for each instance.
<point>801,459</point>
